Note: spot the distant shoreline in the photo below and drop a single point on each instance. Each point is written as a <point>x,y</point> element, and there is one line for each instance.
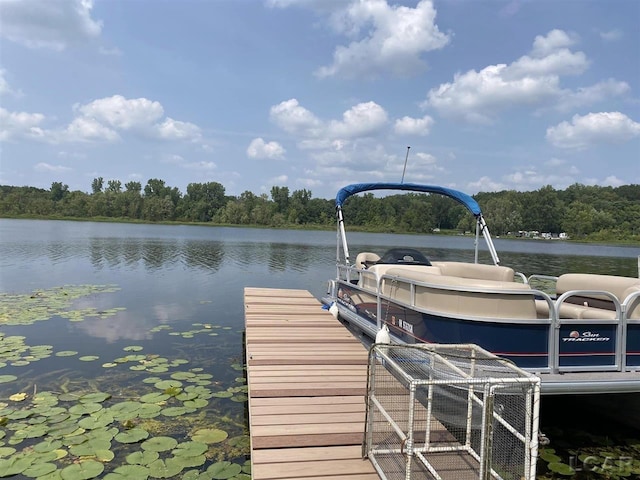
<point>311,227</point>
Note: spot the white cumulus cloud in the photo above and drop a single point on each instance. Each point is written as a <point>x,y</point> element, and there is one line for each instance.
<point>122,113</point>
<point>293,117</point>
<point>611,35</point>
<point>593,94</point>
<point>360,121</point>
<point>594,128</point>
<point>53,24</point>
<point>531,80</point>
<point>14,125</point>
<point>85,129</point>
<point>105,119</point>
<point>172,129</point>
<point>258,148</point>
<point>5,88</point>
<point>413,126</point>
<point>544,45</point>
<point>47,167</point>
<point>384,38</point>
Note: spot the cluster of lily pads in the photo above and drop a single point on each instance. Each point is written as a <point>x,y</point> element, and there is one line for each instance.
<point>589,457</point>
<point>117,425</point>
<point>17,309</point>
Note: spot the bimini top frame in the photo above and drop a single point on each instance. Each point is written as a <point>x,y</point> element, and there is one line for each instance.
<point>467,201</point>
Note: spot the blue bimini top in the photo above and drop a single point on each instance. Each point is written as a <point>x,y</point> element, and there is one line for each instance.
<point>460,197</point>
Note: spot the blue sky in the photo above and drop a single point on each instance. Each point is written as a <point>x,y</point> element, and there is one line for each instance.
<point>315,94</point>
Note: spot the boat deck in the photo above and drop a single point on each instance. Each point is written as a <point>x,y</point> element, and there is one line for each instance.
<point>307,386</point>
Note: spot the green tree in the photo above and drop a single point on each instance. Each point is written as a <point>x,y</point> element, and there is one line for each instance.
<point>579,219</point>
<point>114,186</point>
<point>135,187</point>
<point>156,190</point>
<point>298,206</point>
<point>280,196</point>
<point>202,201</point>
<point>58,191</point>
<point>503,213</point>
<point>544,211</point>
<point>97,184</point>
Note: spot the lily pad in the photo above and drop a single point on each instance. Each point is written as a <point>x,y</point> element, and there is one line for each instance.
<point>82,471</point>
<point>561,468</point>
<point>166,384</point>
<point>40,469</point>
<point>209,435</point>
<point>159,444</point>
<point>164,468</point>
<point>14,465</point>
<point>154,397</point>
<point>7,378</point>
<point>90,447</point>
<point>47,446</point>
<point>133,348</point>
<point>95,397</point>
<point>88,358</point>
<point>7,451</point>
<point>224,470</point>
<point>85,408</point>
<point>175,411</point>
<point>132,436</point>
<point>144,457</point>
<point>139,472</point>
<point>190,449</point>
<point>125,410</point>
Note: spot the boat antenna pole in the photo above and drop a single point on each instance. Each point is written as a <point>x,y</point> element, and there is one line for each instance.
<point>405,164</point>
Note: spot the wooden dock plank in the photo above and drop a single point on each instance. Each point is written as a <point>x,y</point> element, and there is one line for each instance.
<point>284,455</point>
<point>295,409</point>
<point>315,469</point>
<point>309,370</point>
<point>276,292</point>
<point>307,381</point>
<point>342,400</point>
<point>302,378</point>
<point>310,418</point>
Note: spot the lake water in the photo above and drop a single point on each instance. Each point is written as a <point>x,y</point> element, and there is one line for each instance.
<point>173,313</point>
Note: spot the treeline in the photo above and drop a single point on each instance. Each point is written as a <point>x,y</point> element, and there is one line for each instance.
<point>597,213</point>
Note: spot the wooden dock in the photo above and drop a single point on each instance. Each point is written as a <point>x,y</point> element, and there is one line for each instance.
<point>307,386</point>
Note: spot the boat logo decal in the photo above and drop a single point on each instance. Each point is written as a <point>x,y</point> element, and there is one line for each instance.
<point>399,322</point>
<point>588,336</point>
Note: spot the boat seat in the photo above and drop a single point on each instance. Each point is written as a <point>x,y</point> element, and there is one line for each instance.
<point>365,259</point>
<point>374,272</point>
<point>476,270</point>
<point>450,295</point>
<point>594,306</point>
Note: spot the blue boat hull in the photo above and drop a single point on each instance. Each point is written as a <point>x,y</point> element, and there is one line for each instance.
<point>524,343</point>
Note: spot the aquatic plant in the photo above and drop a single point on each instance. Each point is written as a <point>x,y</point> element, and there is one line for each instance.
<point>118,424</point>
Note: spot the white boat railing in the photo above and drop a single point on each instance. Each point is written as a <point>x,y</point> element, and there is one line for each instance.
<point>620,324</point>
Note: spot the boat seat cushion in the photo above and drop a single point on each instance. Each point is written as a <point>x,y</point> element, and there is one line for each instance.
<point>365,259</point>
<point>476,270</point>
<point>588,281</point>
<point>573,311</point>
<point>593,307</point>
<point>634,306</point>
<point>451,295</point>
<point>369,279</point>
